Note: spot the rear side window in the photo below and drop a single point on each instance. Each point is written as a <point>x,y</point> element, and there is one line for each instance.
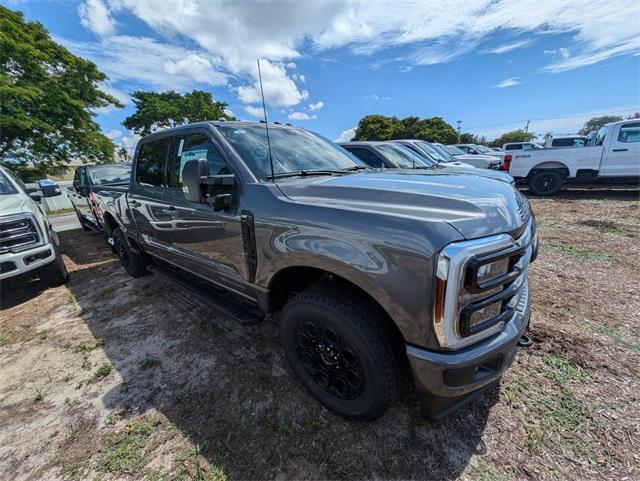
<point>151,161</point>
<point>368,157</point>
<point>629,133</point>
<point>514,147</point>
<point>192,147</point>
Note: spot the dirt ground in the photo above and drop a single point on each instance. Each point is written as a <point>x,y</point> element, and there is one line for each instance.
<point>111,377</point>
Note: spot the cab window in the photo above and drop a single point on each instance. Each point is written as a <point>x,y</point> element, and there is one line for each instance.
<point>629,133</point>
<point>193,147</point>
<point>368,157</point>
<point>151,162</point>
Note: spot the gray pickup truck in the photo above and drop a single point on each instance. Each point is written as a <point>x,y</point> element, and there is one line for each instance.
<point>377,275</point>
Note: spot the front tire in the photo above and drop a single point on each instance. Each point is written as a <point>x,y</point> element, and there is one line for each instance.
<point>336,345</point>
<point>546,182</point>
<point>133,261</point>
<point>57,271</point>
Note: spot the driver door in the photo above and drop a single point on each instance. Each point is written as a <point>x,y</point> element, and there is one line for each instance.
<point>208,243</point>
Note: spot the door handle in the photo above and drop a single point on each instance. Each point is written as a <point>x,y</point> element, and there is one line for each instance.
<point>171,208</point>
<point>619,150</point>
<point>135,203</point>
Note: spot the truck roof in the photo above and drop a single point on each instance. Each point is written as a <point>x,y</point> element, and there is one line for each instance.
<point>216,123</point>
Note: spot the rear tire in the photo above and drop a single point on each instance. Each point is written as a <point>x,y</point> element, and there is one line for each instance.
<point>133,261</point>
<point>546,182</point>
<point>338,349</point>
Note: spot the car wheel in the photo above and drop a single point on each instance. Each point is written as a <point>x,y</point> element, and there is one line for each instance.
<point>338,349</point>
<point>133,261</point>
<point>57,270</point>
<point>546,182</point>
<point>83,224</point>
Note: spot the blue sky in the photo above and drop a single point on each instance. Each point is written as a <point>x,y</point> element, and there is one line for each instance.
<point>326,64</point>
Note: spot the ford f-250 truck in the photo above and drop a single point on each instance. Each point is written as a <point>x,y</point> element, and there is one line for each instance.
<point>375,273</point>
<point>615,156</point>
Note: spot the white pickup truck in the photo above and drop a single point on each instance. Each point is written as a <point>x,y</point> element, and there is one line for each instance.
<point>615,156</point>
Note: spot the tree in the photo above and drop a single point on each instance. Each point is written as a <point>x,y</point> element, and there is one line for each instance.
<point>635,115</point>
<point>379,127</point>
<point>595,123</point>
<point>168,109</point>
<point>47,99</point>
<point>468,138</point>
<point>518,135</point>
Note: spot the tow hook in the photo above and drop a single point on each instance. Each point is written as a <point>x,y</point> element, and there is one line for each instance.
<point>524,341</point>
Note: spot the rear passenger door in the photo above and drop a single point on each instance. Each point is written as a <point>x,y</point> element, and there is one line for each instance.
<point>623,156</point>
<point>152,215</point>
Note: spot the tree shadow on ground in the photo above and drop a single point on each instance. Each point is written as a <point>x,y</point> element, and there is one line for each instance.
<point>229,389</point>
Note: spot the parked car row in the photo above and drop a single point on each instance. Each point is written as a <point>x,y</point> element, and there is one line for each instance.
<point>382,259</point>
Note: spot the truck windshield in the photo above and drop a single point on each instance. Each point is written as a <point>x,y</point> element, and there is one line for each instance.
<point>110,174</point>
<point>442,151</point>
<point>453,150</point>
<point>292,150</point>
<point>6,187</point>
<point>404,157</point>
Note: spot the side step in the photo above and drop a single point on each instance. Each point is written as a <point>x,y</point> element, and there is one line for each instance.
<point>244,315</point>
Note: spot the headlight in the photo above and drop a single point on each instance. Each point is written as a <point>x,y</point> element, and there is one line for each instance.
<point>492,270</point>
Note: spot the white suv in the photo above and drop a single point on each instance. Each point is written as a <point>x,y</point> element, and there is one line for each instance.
<point>27,241</point>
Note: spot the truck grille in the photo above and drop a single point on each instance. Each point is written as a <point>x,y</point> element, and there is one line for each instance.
<point>479,285</point>
<point>18,233</point>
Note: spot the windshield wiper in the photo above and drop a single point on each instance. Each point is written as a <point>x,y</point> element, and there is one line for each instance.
<point>354,168</point>
<point>304,173</point>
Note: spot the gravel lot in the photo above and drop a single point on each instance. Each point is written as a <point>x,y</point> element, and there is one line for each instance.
<point>111,378</point>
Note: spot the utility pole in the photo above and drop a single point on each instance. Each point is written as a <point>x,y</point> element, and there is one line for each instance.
<point>459,123</point>
<point>526,129</point>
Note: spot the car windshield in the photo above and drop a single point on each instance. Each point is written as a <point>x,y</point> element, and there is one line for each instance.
<point>483,149</point>
<point>292,150</point>
<point>453,150</point>
<point>6,186</point>
<point>435,154</point>
<point>404,157</point>
<point>110,174</point>
<point>442,151</point>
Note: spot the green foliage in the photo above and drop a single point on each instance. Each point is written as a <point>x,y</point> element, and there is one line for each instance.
<point>518,135</point>
<point>168,109</point>
<point>595,123</point>
<point>47,99</point>
<point>468,138</point>
<point>379,127</point>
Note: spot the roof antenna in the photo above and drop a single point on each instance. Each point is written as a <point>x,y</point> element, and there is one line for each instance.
<point>266,124</point>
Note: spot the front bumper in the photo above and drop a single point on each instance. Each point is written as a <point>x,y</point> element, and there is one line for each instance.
<point>13,264</point>
<point>447,381</point>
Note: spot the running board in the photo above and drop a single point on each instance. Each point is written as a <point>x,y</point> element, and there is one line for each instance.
<point>244,315</point>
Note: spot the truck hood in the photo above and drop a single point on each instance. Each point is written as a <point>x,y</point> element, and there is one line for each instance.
<point>12,204</point>
<point>471,157</point>
<point>476,206</point>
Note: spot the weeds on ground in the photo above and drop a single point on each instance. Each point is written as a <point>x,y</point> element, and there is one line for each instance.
<point>561,369</point>
<point>149,362</point>
<point>579,252</point>
<point>614,335</point>
<point>89,346</point>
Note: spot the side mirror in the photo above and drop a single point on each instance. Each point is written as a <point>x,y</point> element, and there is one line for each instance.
<point>36,197</point>
<point>192,173</point>
<point>76,184</point>
<point>30,190</point>
<point>221,202</point>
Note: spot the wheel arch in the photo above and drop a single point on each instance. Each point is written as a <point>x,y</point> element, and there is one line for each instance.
<point>555,165</point>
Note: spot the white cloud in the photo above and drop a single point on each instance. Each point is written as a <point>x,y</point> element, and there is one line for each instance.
<point>279,89</point>
<point>95,16</point>
<point>146,62</point>
<point>301,116</point>
<point>129,142</point>
<point>229,112</point>
<point>562,52</point>
<point>316,106</point>
<point>509,82</point>
<point>508,47</point>
<point>377,97</point>
<point>114,134</point>
<point>254,111</point>
<point>346,135</point>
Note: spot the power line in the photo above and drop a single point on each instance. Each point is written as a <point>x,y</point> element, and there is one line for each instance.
<point>633,109</point>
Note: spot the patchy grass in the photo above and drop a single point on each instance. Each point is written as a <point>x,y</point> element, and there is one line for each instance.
<point>73,304</point>
<point>58,213</point>
<point>102,372</point>
<point>124,452</point>
<point>561,369</point>
<point>88,346</point>
<point>579,252</point>
<point>149,362</point>
<point>619,339</point>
